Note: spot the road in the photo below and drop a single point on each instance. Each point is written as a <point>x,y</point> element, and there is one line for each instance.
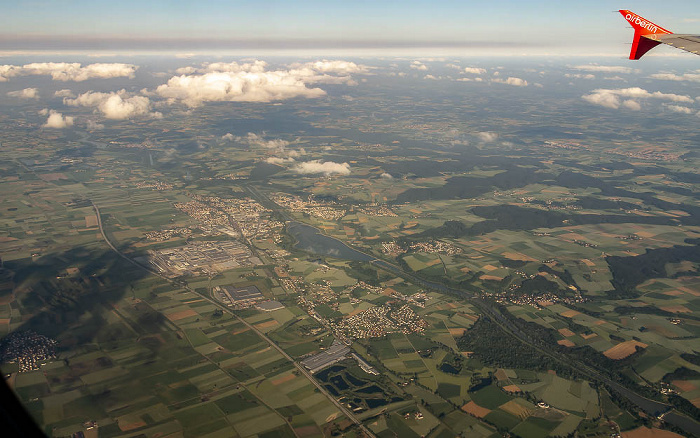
<point>298,366</point>
<point>649,406</point>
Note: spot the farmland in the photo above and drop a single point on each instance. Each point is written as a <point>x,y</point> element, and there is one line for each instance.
<point>154,280</point>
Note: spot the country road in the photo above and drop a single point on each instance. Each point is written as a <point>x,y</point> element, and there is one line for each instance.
<point>298,366</point>
<point>651,407</point>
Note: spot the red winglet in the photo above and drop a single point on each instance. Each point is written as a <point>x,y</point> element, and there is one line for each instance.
<point>642,28</point>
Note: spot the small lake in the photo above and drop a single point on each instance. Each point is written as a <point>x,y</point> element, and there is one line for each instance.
<point>311,240</point>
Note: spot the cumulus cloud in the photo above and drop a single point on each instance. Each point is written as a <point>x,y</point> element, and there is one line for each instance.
<point>56,120</point>
<point>516,82</point>
<point>228,137</point>
<point>417,65</point>
<point>470,80</point>
<point>680,109</point>
<point>690,77</point>
<point>186,70</point>
<point>64,71</point>
<point>115,105</point>
<point>430,77</point>
<point>386,176</point>
<point>279,160</point>
<point>64,93</point>
<point>27,93</point>
<point>615,98</point>
<point>632,105</point>
<point>252,82</point>
<point>92,125</point>
<point>254,139</point>
<point>474,70</point>
<point>603,68</point>
<point>580,75</point>
<point>486,136</point>
<point>326,168</point>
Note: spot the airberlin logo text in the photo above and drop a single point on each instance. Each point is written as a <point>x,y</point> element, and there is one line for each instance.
<point>639,21</point>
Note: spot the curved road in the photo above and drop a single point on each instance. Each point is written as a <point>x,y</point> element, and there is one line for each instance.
<point>652,407</point>
<point>301,369</point>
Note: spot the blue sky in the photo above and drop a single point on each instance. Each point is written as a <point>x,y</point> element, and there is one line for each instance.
<point>509,27</point>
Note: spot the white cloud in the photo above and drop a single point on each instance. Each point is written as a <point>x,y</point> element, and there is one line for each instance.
<point>430,77</point>
<point>251,82</point>
<point>690,77</point>
<point>57,120</point>
<point>632,105</point>
<point>63,71</point>
<point>64,93</point>
<point>9,71</point>
<point>115,105</point>
<point>386,176</point>
<point>680,109</point>
<point>241,86</point>
<point>603,68</point>
<point>279,161</point>
<point>486,136</point>
<point>516,82</point>
<point>254,139</point>
<point>27,93</point>
<point>296,153</point>
<point>580,75</point>
<point>474,70</point>
<point>335,67</point>
<point>186,70</point>
<point>327,168</point>
<point>94,126</point>
<point>613,98</point>
<point>417,65</point>
<point>228,137</point>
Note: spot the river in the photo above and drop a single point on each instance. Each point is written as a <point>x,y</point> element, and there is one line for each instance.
<point>311,240</point>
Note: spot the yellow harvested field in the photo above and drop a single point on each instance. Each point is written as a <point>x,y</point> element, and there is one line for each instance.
<point>566,332</point>
<point>434,262</point>
<point>280,380</point>
<point>131,426</point>
<point>623,349</point>
<point>176,316</point>
<point>491,277</point>
<point>518,256</point>
<point>566,343</point>
<point>586,337</point>
<point>500,374</point>
<point>675,309</point>
<point>489,268</point>
<point>588,262</point>
<point>91,221</point>
<point>570,313</point>
<point>673,293</point>
<point>475,410</point>
<point>684,385</point>
<point>515,408</point>
<point>266,324</point>
<point>457,331</point>
<point>644,432</point>
<point>512,389</point>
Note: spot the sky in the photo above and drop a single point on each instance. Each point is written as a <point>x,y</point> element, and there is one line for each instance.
<point>380,27</point>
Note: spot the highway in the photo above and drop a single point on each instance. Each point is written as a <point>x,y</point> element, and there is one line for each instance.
<point>224,308</point>
<point>651,407</point>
